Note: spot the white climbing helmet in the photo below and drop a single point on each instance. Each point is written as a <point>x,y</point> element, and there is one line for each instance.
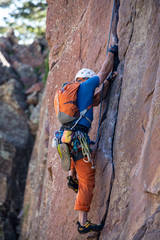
<point>85,73</point>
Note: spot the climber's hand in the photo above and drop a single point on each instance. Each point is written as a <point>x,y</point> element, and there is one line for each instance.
<point>114,49</point>
<point>114,74</point>
<point>111,77</point>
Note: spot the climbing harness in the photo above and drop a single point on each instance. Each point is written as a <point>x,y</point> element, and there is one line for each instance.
<point>79,143</point>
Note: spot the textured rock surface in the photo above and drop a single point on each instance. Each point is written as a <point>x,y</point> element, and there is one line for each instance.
<point>18,126</point>
<point>6,73</point>
<point>15,149</point>
<point>77,34</point>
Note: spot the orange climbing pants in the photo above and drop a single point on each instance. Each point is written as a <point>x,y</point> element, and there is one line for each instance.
<point>86,183</point>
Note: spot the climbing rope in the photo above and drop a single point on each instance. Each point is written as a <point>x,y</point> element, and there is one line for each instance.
<point>112,163</point>
<point>92,142</point>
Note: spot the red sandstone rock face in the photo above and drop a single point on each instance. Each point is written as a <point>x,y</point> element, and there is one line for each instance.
<point>77,34</point>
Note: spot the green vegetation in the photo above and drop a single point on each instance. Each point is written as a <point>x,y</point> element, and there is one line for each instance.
<point>46,65</point>
<point>5,3</point>
<point>37,70</point>
<point>26,17</point>
<point>25,211</point>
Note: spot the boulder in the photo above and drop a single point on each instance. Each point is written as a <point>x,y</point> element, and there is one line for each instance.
<point>32,99</point>
<point>34,112</point>
<point>12,92</point>
<point>32,54</point>
<point>7,73</point>
<point>27,73</point>
<point>7,154</point>
<point>37,87</point>
<point>13,126</point>
<point>6,48</point>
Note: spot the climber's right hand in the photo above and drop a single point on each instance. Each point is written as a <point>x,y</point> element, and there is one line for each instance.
<point>111,77</point>
<point>114,49</point>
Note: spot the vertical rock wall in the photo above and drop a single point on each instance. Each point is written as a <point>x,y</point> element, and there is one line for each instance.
<point>77,33</point>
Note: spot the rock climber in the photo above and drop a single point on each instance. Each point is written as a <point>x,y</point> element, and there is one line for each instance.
<point>82,172</point>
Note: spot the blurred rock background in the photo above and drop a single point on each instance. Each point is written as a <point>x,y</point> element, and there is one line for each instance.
<point>23,74</point>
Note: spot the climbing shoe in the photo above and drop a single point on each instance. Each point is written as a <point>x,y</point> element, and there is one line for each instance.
<point>73,183</point>
<point>64,154</point>
<point>89,227</point>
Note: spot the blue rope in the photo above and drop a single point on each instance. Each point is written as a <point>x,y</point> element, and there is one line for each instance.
<point>92,142</point>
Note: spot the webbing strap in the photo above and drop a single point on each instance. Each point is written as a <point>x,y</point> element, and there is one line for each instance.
<point>87,119</point>
<point>82,114</point>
